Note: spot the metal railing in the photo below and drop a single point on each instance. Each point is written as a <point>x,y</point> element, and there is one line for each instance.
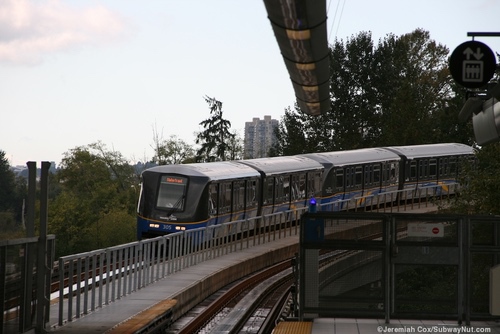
<point>398,265</point>
<point>93,279</point>
<point>25,268</point>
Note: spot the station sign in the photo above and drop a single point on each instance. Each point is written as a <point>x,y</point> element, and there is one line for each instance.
<point>425,230</point>
<point>472,64</point>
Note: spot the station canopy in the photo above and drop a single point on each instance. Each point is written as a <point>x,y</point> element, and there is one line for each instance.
<point>300,30</point>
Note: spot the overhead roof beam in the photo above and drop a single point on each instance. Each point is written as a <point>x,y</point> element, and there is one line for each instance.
<point>300,30</point>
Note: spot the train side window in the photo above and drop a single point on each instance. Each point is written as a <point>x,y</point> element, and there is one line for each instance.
<point>413,170</point>
<point>376,174</point>
<point>212,200</point>
<point>358,179</point>
<point>433,168</point>
<point>442,167</point>
<point>348,178</point>
<point>339,179</point>
<point>368,175</point>
<point>453,166</point>
<point>424,169</point>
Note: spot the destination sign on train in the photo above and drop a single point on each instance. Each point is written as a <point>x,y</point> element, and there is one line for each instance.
<point>176,180</point>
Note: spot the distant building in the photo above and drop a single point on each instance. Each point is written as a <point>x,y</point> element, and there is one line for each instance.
<point>259,137</point>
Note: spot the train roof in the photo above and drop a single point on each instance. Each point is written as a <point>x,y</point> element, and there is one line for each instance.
<point>220,170</point>
<point>360,156</point>
<point>279,165</point>
<point>431,150</point>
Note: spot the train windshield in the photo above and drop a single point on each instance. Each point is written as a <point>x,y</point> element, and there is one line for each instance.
<point>172,192</point>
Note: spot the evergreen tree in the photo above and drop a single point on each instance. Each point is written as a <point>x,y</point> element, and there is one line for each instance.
<point>214,140</point>
<point>7,185</point>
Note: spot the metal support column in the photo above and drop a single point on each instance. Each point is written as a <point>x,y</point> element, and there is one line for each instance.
<point>43,302</point>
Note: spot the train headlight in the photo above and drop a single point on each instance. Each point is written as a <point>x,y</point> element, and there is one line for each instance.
<point>180,228</point>
<point>154,225</point>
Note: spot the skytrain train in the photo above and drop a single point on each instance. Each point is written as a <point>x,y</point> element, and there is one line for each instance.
<point>179,197</point>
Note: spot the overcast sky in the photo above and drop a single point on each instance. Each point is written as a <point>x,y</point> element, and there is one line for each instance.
<point>73,72</point>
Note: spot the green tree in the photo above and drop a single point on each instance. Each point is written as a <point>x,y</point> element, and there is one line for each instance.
<point>13,191</point>
<point>7,185</point>
<point>214,140</point>
<point>171,151</point>
<point>480,194</point>
<point>290,134</point>
<point>412,81</point>
<point>354,118</point>
<point>234,147</point>
<point>98,196</point>
<point>398,92</point>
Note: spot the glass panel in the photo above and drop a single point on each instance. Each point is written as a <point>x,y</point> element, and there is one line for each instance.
<point>433,168</point>
<point>171,193</point>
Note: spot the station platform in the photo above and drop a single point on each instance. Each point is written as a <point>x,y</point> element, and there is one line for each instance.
<point>372,326</point>
<point>187,287</point>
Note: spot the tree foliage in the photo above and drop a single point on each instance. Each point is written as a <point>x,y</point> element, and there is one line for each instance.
<point>13,190</point>
<point>96,204</point>
<point>216,137</point>
<point>171,151</point>
<point>480,194</point>
<point>398,92</point>
<point>234,147</point>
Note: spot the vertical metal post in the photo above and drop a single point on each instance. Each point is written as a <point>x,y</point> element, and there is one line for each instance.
<point>29,252</point>
<point>467,267</point>
<point>461,279</point>
<point>388,235</point>
<point>3,274</point>
<point>30,214</point>
<point>42,250</point>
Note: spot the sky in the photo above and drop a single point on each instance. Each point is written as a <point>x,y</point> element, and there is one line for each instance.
<point>74,72</point>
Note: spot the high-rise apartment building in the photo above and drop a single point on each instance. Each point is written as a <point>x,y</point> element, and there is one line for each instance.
<point>259,137</point>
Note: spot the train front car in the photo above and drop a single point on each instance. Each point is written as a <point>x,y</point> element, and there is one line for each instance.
<point>179,197</point>
<point>431,170</point>
<point>357,178</point>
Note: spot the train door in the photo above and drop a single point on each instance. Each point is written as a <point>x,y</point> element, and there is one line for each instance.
<point>267,195</point>
<point>251,198</point>
<point>353,185</point>
<point>238,207</point>
<point>339,189</point>
<point>225,201</point>
<point>281,193</point>
<point>298,190</point>
<point>213,203</point>
<point>313,187</point>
